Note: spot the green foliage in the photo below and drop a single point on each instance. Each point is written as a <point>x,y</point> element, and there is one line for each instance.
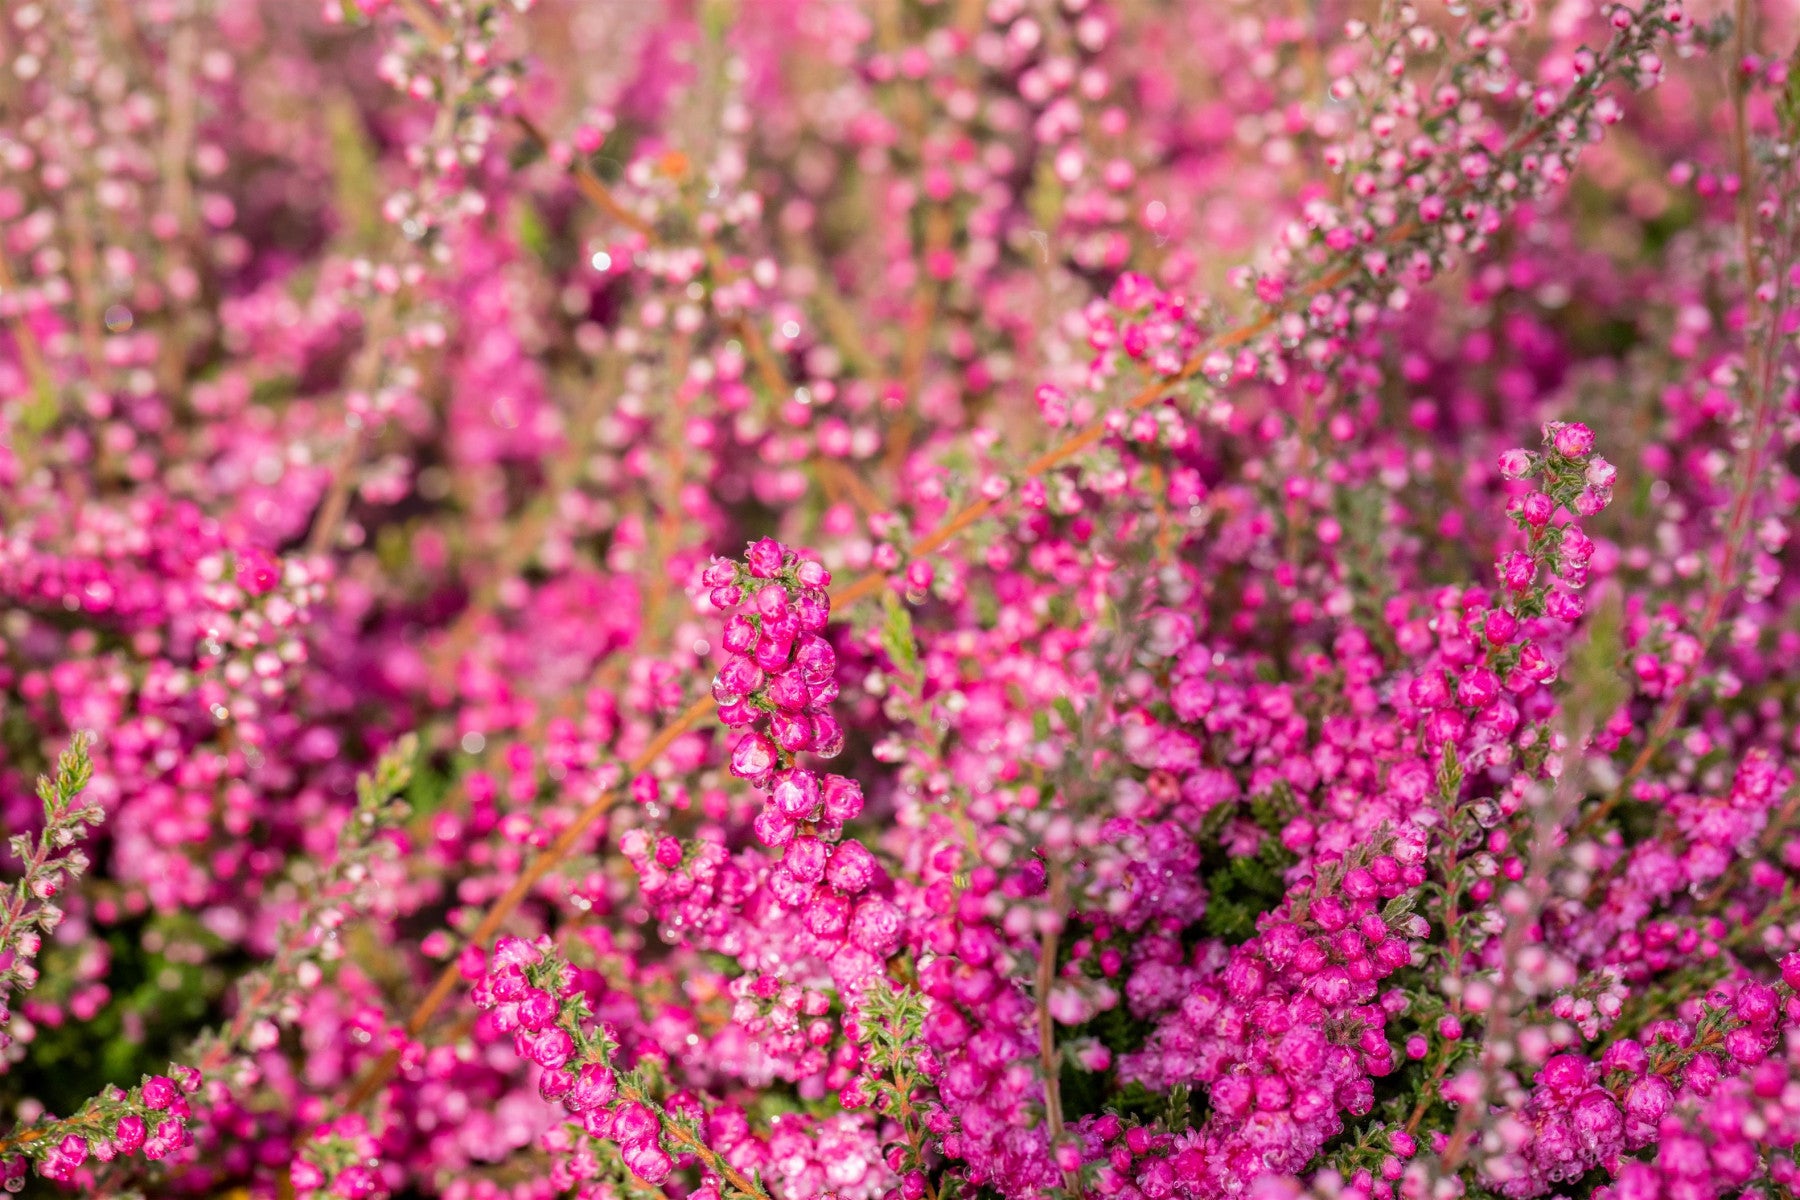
<point>1787,107</point>
<point>1117,1030</point>
<point>355,176</point>
<point>158,998</point>
<point>40,414</point>
<point>74,769</point>
<point>1087,1092</point>
<point>1241,888</point>
<point>1596,687</point>
<point>897,638</point>
<point>533,233</point>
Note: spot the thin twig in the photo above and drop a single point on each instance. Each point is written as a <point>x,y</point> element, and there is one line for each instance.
<point>1047,1055</point>
<point>363,374</point>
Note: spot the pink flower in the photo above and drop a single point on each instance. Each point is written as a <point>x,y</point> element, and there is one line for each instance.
<point>1572,440</point>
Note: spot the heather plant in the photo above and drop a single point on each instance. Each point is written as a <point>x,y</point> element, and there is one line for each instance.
<point>900,599</point>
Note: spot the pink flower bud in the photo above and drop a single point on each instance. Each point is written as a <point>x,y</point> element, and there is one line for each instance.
<point>1573,440</point>
<point>765,558</point>
<point>129,1134</point>
<point>827,914</point>
<point>796,793</point>
<point>774,828</point>
<point>537,1010</point>
<point>514,951</point>
<point>852,868</point>
<point>793,732</point>
<point>843,798</point>
<point>1588,501</point>
<point>1538,508</point>
<point>551,1047</point>
<point>593,1087</point>
<point>787,691</point>
<point>805,859</point>
<point>159,1092</point>
<point>634,1123</point>
<point>753,757</point>
<point>812,609</point>
<point>827,735</point>
<point>739,636</point>
<point>772,603</point>
<point>1517,570</point>
<point>553,1085</point>
<point>647,1160</point>
<point>876,927</point>
<point>815,660</point>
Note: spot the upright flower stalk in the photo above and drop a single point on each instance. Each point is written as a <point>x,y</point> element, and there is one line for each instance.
<point>899,600</point>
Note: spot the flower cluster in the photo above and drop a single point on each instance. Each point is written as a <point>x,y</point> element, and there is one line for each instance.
<point>781,676</point>
<point>1294,1033</point>
<point>50,862</point>
<point>533,995</point>
<point>900,600</point>
<point>150,1119</point>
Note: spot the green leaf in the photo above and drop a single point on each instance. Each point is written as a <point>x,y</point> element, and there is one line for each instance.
<point>1596,684</point>
<point>897,637</point>
<point>1788,107</point>
<point>354,173</point>
<point>533,233</point>
<point>1450,775</point>
<point>40,414</point>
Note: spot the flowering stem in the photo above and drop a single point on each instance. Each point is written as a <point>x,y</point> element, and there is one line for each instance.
<point>484,932</point>
<point>1761,356</point>
<point>692,1144</point>
<point>862,588</point>
<point>1549,816</point>
<point>425,22</point>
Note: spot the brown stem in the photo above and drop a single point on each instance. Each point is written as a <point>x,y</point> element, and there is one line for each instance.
<point>180,77</point>
<point>916,345</point>
<point>835,472</point>
<point>84,263</point>
<point>1047,1054</point>
<point>706,1154</point>
<point>1453,957</point>
<point>363,375</point>
<point>668,523</point>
